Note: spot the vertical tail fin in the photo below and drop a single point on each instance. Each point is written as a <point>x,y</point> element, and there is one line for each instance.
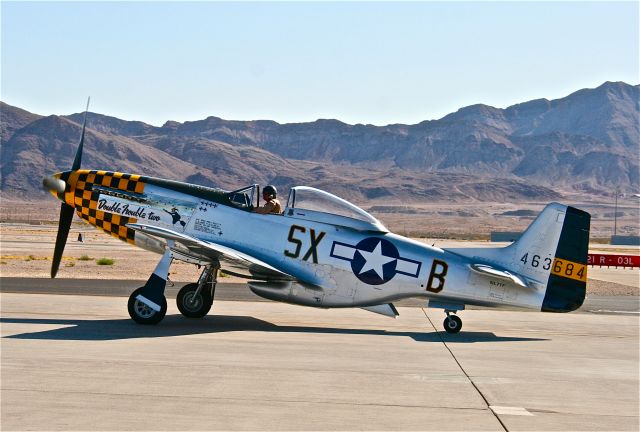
<point>567,284</point>
<point>551,254</point>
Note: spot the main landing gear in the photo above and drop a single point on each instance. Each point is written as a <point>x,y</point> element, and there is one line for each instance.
<point>195,299</point>
<point>148,304</point>
<point>452,323</point>
<point>142,313</point>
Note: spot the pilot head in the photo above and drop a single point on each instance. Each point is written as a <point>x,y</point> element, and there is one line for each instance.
<point>269,192</point>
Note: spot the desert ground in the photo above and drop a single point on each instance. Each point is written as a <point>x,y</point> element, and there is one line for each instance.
<point>28,231</point>
<point>26,251</point>
<point>439,220</point>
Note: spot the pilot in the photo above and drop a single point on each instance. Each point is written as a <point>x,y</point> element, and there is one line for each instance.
<point>271,203</point>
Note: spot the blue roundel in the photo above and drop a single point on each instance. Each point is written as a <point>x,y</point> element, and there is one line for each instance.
<point>375,261</point>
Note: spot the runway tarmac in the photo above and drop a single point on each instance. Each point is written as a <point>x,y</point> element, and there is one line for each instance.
<point>240,292</point>
<point>77,362</point>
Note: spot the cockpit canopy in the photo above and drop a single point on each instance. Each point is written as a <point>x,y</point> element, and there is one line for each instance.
<point>320,206</point>
<point>242,198</point>
<point>312,204</point>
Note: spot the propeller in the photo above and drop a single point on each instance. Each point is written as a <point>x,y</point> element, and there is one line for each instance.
<point>52,183</point>
<point>78,158</point>
<point>66,211</point>
<point>64,225</point>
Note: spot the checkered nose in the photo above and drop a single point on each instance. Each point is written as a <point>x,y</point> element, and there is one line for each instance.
<point>84,188</point>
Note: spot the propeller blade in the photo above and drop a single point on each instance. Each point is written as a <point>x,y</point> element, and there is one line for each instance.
<point>66,211</point>
<point>64,225</point>
<point>78,158</point>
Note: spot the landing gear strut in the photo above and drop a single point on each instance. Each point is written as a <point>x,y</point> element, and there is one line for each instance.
<point>452,323</point>
<point>195,300</point>
<point>147,304</point>
<point>144,314</point>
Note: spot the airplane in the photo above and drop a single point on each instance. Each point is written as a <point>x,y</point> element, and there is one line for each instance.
<point>321,251</point>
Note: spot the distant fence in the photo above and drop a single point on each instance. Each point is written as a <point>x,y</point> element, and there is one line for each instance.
<point>614,260</point>
<point>511,236</point>
<point>625,240</point>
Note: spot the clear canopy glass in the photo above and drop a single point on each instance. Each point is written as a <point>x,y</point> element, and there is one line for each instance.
<point>243,198</point>
<point>308,198</point>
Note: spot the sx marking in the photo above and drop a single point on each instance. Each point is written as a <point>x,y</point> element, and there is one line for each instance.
<point>312,252</point>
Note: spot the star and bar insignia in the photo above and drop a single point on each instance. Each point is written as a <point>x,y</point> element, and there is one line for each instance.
<point>374,260</point>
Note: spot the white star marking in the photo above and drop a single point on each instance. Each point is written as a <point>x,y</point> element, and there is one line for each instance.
<point>375,260</point>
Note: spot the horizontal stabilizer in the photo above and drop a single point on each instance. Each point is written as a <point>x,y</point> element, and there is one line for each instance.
<point>387,309</point>
<point>498,273</point>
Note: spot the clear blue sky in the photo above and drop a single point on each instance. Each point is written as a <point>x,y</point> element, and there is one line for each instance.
<point>358,62</point>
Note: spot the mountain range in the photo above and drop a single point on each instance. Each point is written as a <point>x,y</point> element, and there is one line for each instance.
<point>585,143</point>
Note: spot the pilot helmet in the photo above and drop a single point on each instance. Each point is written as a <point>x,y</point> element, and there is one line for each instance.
<point>270,190</point>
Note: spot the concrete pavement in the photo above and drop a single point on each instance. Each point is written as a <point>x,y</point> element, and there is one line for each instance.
<point>79,363</point>
<point>628,276</point>
<point>239,291</point>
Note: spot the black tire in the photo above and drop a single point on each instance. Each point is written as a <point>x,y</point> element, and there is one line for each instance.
<point>143,314</point>
<point>452,324</point>
<point>194,308</point>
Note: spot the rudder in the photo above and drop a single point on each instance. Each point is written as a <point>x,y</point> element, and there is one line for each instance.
<point>567,285</point>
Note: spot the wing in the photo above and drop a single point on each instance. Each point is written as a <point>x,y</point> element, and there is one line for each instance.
<point>231,260</point>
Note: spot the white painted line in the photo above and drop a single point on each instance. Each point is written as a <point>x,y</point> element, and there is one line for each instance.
<point>504,410</point>
<point>613,311</point>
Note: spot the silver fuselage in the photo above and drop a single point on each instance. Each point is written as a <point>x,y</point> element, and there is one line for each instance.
<point>319,253</point>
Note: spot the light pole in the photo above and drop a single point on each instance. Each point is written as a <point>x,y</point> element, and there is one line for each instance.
<point>615,213</point>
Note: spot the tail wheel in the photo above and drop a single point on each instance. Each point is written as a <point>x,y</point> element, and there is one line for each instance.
<point>194,305</point>
<point>143,314</point>
<point>452,324</point>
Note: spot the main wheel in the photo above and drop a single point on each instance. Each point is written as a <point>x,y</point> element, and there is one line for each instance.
<point>191,305</point>
<point>452,324</point>
<point>143,314</point>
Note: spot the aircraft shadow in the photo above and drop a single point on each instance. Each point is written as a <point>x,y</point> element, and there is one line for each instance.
<point>177,325</point>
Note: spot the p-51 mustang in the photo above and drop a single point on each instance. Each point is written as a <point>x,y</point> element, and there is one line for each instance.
<point>322,251</point>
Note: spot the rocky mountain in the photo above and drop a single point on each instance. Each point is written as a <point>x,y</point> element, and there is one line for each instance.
<point>46,145</point>
<point>13,119</point>
<point>586,142</point>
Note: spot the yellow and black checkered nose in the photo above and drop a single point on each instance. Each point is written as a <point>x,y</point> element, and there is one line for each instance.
<point>82,194</point>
